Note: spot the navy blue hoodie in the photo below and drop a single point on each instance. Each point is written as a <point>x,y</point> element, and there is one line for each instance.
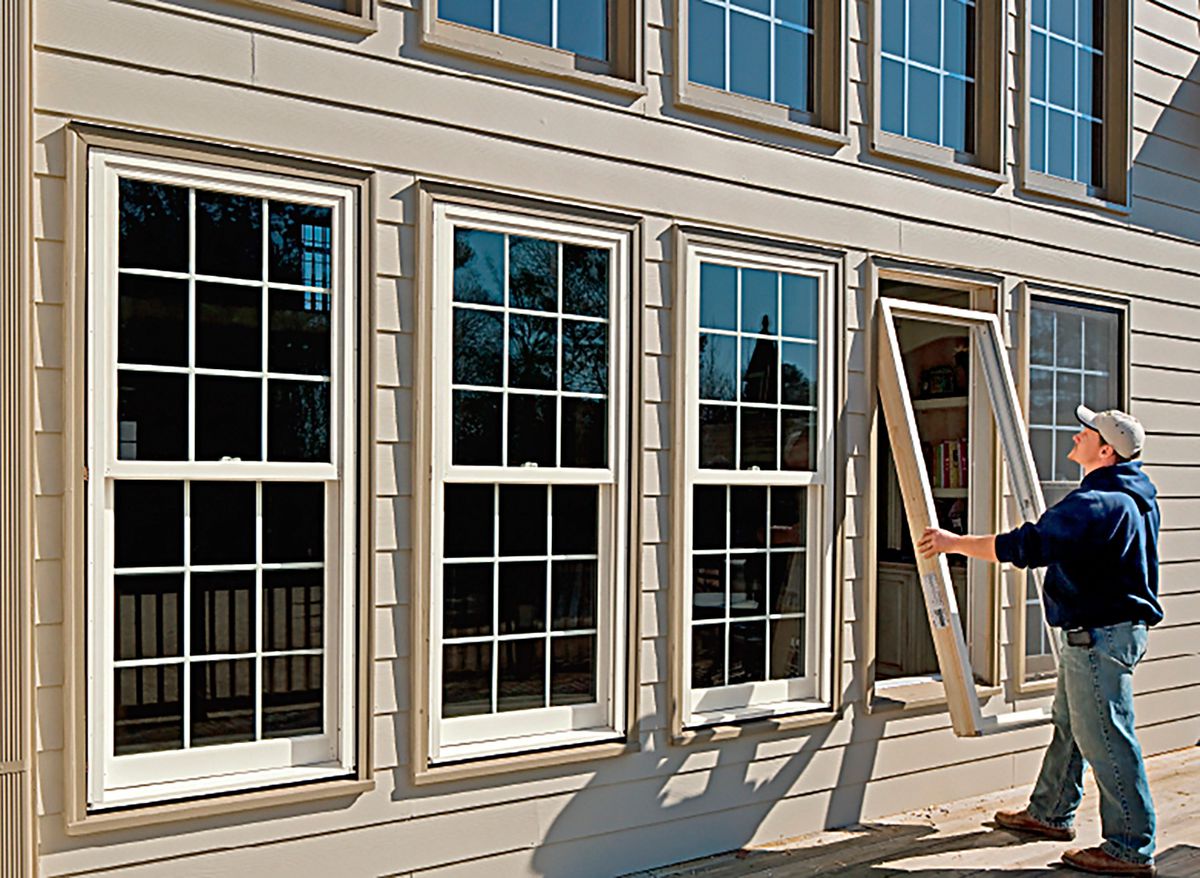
<point>1100,543</point>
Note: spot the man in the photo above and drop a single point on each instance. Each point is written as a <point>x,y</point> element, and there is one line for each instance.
<point>1100,543</point>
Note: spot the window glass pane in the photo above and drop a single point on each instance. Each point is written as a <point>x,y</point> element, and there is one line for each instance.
<point>760,361</point>
<point>1062,144</point>
<point>222,522</point>
<point>717,436</point>
<point>748,584</point>
<point>799,306</point>
<point>787,519</point>
<point>151,416</point>
<point>222,612</point>
<point>1090,156</point>
<point>1068,340</point>
<point>476,13</point>
<point>1062,74</point>
<point>747,651</point>
<point>466,679</point>
<point>1042,442</point>
<point>1037,137</point>
<point>1065,470</point>
<point>893,26</point>
<point>532,273</point>
<point>799,373</point>
<point>575,519</point>
<point>925,31</point>
<point>750,56</point>
<point>293,609</point>
<point>152,320</point>
<point>573,670</point>
<point>763,6</point>
<point>467,530</point>
<point>532,352</point>
<point>708,586</point>
<point>478,347</point>
<point>573,595</point>
<point>228,418</point>
<point>583,27</point>
<point>478,264</point>
<point>228,235</point>
<point>148,709</point>
<point>298,421</point>
<point>706,43</point>
<point>293,521</point>
<point>1037,10</point>
<point>476,428</point>
<point>148,524</point>
<point>299,338</point>
<point>718,296</point>
<point>788,574</point>
<point>293,696</point>
<point>758,439</point>
<point>1100,341</point>
<point>708,656</point>
<point>467,600</point>
<point>1062,17</point>
<point>1091,22</point>
<point>301,244</point>
<point>718,367</point>
<point>222,702</point>
<point>148,612</point>
<point>1068,393</point>
<point>760,301</point>
<point>959,47</point>
<point>521,674</point>
<point>1041,396</point>
<point>923,104</point>
<point>585,280</point>
<point>891,96</point>
<point>798,440</point>
<point>531,436</point>
<point>228,326</point>
<point>748,517</point>
<point>787,648</point>
<point>585,356</point>
<point>1037,66</point>
<point>522,520</point>
<point>795,12</point>
<point>708,517</point>
<point>526,20</point>
<point>958,114</point>
<point>153,226</point>
<point>584,432</point>
<point>793,67</point>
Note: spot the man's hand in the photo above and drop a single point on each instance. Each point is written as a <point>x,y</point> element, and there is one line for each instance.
<point>936,541</point>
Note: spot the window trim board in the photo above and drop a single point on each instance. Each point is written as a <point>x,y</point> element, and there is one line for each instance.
<point>359,18</point>
<point>81,138</point>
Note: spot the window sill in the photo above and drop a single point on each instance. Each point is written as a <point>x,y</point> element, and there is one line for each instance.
<point>783,717</point>
<point>918,693</point>
<point>447,36</point>
<point>1069,191</point>
<point>552,754</point>
<point>216,805</point>
<point>929,155</point>
<point>762,114</point>
<point>1036,687</point>
<point>357,22</point>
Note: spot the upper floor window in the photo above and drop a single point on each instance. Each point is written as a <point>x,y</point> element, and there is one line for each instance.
<point>579,26</point>
<point>1077,103</point>
<point>221,538</point>
<point>775,62</point>
<point>939,74</point>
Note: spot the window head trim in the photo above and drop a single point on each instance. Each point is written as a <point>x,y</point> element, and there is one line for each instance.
<point>359,15</point>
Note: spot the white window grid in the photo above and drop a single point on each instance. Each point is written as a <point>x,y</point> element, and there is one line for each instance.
<point>771,697</point>
<point>1041,150</point>
<point>555,13</point>
<point>1043,421</point>
<point>136,778</point>
<point>779,407</point>
<point>940,70</point>
<point>729,7</point>
<point>768,552</point>
<point>471,737</point>
<point>505,389</point>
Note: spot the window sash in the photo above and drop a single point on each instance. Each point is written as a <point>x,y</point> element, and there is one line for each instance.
<point>705,706</point>
<point>475,736</point>
<point>141,777</point>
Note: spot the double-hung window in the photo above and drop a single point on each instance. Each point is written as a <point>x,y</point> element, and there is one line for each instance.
<point>937,81</point>
<point>755,553</point>
<point>775,62</point>
<point>1077,102</point>
<point>594,41</point>
<point>1075,357</point>
<point>221,453</point>
<point>529,455</point>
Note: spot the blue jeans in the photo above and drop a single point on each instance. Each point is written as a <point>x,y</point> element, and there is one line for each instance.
<point>1093,721</point>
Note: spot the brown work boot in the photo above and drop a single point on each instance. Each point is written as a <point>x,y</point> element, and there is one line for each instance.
<point>1021,821</point>
<point>1099,862</point>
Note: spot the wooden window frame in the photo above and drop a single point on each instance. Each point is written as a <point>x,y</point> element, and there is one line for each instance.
<point>826,124</point>
<point>962,697</point>
<point>821,620</point>
<point>358,17</point>
<point>622,74</point>
<point>987,163</point>
<point>354,776</point>
<point>441,207</point>
<point>1039,677</point>
<point>1114,193</point>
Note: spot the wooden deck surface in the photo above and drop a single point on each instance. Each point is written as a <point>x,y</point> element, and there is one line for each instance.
<point>959,839</point>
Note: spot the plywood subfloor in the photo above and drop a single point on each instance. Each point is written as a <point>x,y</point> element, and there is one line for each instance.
<point>959,840</point>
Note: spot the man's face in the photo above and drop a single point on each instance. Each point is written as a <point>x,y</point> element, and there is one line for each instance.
<point>1089,449</point>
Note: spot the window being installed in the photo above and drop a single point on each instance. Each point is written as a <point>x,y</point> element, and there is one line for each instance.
<point>927,71</point>
<point>1074,358</point>
<point>578,26</point>
<point>759,48</point>
<point>756,634</point>
<point>530,463</point>
<point>222,493</point>
<point>1066,89</point>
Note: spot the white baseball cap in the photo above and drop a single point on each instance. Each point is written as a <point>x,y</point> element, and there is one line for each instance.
<point>1119,429</point>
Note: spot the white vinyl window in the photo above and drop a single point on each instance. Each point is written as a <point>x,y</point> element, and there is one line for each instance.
<point>578,26</point>
<point>530,419</point>
<point>757,635</point>
<point>221,587</point>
